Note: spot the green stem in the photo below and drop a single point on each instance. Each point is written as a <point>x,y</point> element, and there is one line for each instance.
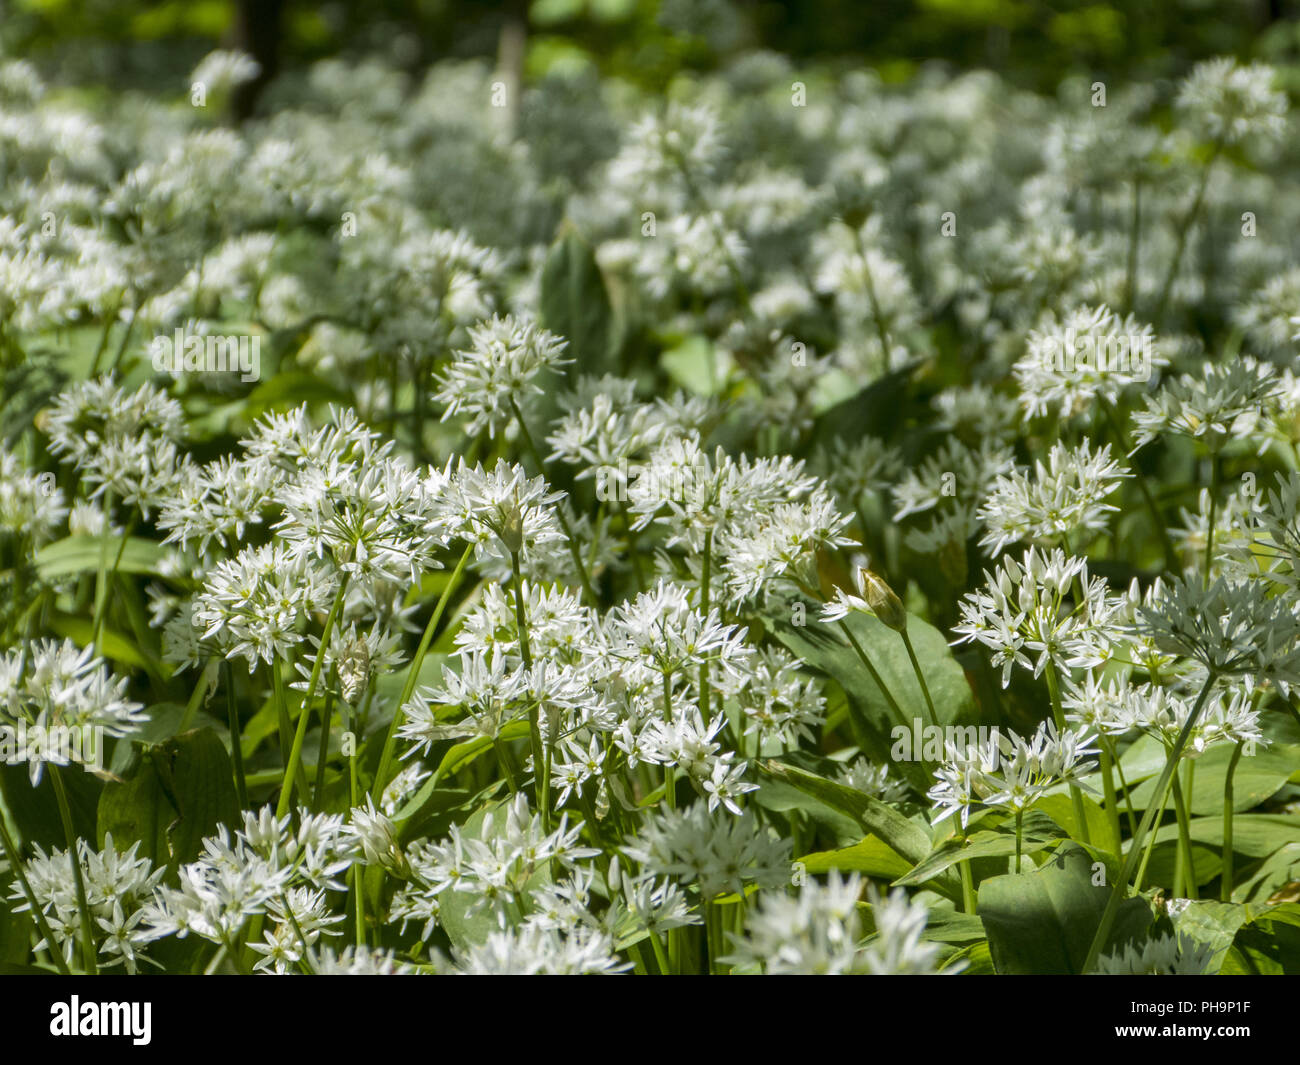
<point>889,696</point>
<point>1058,715</point>
<point>1148,819</point>
<point>295,755</point>
<point>236,736</point>
<point>38,914</point>
<point>1020,817</point>
<point>916,668</point>
<point>541,778</point>
<point>1225,893</point>
<point>1111,799</point>
<point>413,673</point>
<point>704,609</point>
<point>569,538</point>
<point>1183,229</point>
<point>83,907</point>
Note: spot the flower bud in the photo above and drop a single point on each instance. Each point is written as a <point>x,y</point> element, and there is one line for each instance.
<point>887,607</point>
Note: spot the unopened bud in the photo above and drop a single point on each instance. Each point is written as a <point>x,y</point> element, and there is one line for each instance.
<point>511,529</point>
<point>354,670</point>
<point>887,607</point>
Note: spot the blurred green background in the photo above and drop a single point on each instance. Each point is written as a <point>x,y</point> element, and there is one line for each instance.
<point>648,42</point>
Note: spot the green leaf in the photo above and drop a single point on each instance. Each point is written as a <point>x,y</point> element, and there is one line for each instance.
<point>1213,923</point>
<point>878,410</point>
<point>1061,810</point>
<point>178,795</point>
<point>1042,922</point>
<point>83,554</point>
<point>905,837</point>
<point>884,737</point>
<point>574,303</point>
<point>870,856</point>
<point>35,810</point>
<point>1037,833</point>
<point>1257,779</point>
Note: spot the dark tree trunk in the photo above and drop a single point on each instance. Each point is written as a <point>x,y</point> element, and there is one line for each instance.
<point>258,29</point>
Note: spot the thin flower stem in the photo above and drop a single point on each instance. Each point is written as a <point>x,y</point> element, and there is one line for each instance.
<point>38,914</point>
<point>920,677</point>
<point>1182,230</point>
<point>1148,819</point>
<point>323,749</point>
<point>704,609</point>
<point>413,672</point>
<point>1128,796</point>
<point>236,735</point>
<point>1183,887</point>
<point>1111,799</point>
<point>889,696</point>
<point>1020,817</point>
<point>569,538</point>
<point>1058,715</point>
<point>79,883</point>
<point>1158,520</point>
<point>295,755</point>
<point>541,773</point>
<point>1225,891</point>
<point>1214,510</point>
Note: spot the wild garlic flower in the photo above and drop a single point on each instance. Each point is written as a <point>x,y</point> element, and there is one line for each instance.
<point>220,72</point>
<point>715,854</point>
<point>495,867</point>
<point>781,705</point>
<point>1230,628</point>
<point>357,961</point>
<point>498,371</point>
<point>64,700</point>
<point>120,442</point>
<point>663,630</point>
<point>1227,717</point>
<point>1230,103</point>
<point>503,510</point>
<point>300,917</point>
<point>1163,955</point>
<point>1088,355</point>
<point>644,903</point>
<point>533,950</point>
<point>1010,771</point>
<point>1226,402</point>
<point>376,837</point>
<point>1025,608</point>
<point>251,605</point>
<point>32,506</point>
<point>117,885</point>
<point>877,781</point>
<point>1061,504</point>
<point>820,932</point>
<point>955,472</point>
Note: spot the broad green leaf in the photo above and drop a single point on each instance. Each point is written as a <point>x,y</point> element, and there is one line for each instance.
<point>35,810</point>
<point>906,837</point>
<point>181,791</point>
<point>884,737</point>
<point>574,303</point>
<point>1061,810</point>
<point>83,554</point>
<point>1037,833</point>
<point>1258,777</point>
<point>870,856</point>
<point>1042,922</point>
<point>1214,924</point>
